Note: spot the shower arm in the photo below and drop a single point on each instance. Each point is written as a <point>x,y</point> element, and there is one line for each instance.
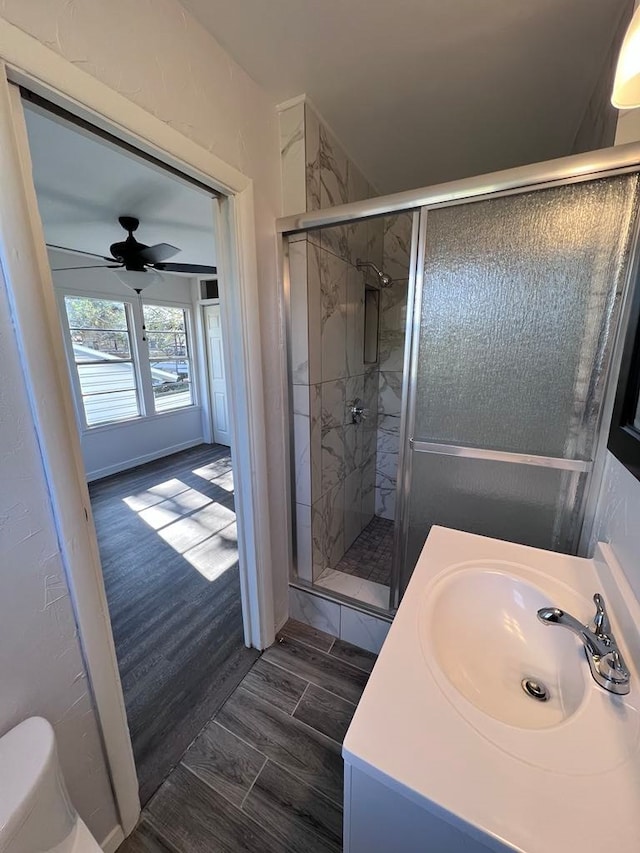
<point>384,279</point>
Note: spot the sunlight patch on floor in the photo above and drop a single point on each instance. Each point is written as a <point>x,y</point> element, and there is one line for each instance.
<point>155,494</point>
<point>198,528</point>
<point>213,474</point>
<point>166,512</point>
<point>213,557</point>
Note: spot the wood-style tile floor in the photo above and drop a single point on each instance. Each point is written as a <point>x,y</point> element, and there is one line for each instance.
<point>169,552</point>
<point>266,773</point>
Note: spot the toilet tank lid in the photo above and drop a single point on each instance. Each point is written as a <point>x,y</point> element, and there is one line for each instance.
<point>24,754</point>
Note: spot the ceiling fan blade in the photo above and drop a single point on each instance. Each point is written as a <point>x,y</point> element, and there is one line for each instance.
<point>77,252</point>
<point>157,253</point>
<point>187,269</point>
<point>93,267</point>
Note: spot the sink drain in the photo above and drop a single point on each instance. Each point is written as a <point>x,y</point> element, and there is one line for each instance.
<point>535,689</point>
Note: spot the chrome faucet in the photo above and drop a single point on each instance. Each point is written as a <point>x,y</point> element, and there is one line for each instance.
<point>603,655</point>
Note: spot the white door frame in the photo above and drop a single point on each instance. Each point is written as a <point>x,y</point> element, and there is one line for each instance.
<point>26,61</point>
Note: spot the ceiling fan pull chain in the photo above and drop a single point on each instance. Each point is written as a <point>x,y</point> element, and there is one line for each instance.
<point>144,328</point>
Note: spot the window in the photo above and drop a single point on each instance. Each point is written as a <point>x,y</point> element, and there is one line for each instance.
<point>624,437</point>
<point>103,355</point>
<point>209,289</point>
<point>114,385</point>
<point>166,329</point>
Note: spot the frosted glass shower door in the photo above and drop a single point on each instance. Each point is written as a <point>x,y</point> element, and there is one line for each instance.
<point>517,301</point>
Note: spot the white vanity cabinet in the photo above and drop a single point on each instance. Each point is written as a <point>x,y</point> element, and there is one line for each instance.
<point>379,819</point>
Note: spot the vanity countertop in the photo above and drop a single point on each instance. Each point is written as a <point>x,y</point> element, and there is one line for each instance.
<point>571,786</point>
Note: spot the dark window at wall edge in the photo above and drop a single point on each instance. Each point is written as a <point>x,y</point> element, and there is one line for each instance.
<point>624,437</point>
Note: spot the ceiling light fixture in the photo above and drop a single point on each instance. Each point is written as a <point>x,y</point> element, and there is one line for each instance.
<point>137,279</point>
<point>626,85</point>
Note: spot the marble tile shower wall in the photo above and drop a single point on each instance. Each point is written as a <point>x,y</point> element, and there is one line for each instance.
<point>343,454</point>
<point>334,459</point>
<point>393,313</point>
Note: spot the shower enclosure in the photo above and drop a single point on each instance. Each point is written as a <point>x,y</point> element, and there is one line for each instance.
<point>469,391</point>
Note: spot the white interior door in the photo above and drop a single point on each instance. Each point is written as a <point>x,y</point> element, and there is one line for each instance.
<point>217,379</point>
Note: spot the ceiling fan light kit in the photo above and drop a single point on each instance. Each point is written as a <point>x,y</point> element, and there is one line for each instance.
<point>138,279</point>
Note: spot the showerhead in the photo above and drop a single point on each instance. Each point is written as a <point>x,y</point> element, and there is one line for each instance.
<point>384,279</point>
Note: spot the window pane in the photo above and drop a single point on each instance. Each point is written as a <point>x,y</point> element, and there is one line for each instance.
<point>98,329</point>
<point>91,345</point>
<point>108,392</point>
<point>171,384</point>
<point>86,313</point>
<point>101,346</point>
<point>162,318</point>
<point>171,344</point>
<point>170,369</point>
<point>166,329</point>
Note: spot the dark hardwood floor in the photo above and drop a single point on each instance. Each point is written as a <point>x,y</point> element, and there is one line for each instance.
<point>266,773</point>
<point>168,546</point>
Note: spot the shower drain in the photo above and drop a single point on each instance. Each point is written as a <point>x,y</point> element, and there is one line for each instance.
<point>535,689</point>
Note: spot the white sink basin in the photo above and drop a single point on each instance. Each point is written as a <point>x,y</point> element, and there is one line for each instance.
<point>487,640</point>
<point>481,638</point>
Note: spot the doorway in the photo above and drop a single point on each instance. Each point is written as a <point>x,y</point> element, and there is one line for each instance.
<point>34,317</point>
<point>162,497</point>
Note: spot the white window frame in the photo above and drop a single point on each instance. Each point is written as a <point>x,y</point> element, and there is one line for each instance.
<point>143,377</point>
<point>193,356</point>
<point>34,312</point>
<point>73,366</point>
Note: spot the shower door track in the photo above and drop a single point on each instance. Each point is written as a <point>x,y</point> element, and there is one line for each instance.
<point>558,462</point>
<point>576,168</point>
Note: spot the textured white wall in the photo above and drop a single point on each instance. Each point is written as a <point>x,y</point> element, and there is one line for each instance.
<point>618,518</point>
<point>41,667</point>
<point>154,53</point>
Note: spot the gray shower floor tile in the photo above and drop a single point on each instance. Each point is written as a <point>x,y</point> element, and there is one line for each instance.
<point>371,554</point>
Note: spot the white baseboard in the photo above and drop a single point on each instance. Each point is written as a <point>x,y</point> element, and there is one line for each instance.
<point>113,840</point>
<point>283,622</point>
<point>99,473</point>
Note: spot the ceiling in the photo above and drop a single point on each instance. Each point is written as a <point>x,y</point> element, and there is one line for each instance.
<point>84,184</point>
<point>422,91</point>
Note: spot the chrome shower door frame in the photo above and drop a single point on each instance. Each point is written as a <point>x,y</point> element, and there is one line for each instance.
<point>580,168</point>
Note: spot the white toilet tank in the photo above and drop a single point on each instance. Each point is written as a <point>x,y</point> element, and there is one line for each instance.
<point>36,814</point>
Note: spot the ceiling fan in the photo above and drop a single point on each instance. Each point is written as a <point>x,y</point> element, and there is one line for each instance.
<point>135,257</point>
